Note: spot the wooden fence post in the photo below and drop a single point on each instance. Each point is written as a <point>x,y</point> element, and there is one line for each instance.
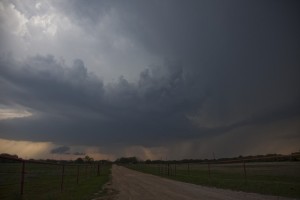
<point>91,170</point>
<point>62,178</point>
<point>98,170</point>
<point>77,179</point>
<point>208,166</point>
<point>22,177</point>
<point>245,172</point>
<point>85,170</point>
<point>175,169</point>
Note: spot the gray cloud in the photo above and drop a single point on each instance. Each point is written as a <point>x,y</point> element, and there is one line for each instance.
<point>71,103</point>
<point>73,106</point>
<point>79,153</point>
<point>60,150</point>
<point>202,69</point>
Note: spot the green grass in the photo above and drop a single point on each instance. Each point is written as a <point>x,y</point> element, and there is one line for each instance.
<point>44,181</point>
<point>278,179</point>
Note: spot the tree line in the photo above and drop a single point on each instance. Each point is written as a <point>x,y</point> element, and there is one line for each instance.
<point>5,157</point>
<point>295,156</point>
<point>250,158</point>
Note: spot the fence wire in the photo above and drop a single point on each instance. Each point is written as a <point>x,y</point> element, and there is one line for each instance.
<point>21,178</point>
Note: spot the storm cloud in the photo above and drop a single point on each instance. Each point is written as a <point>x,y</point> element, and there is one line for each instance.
<point>70,100</point>
<point>60,150</point>
<point>180,78</point>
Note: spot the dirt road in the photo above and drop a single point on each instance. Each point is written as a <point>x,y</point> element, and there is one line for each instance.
<point>133,185</point>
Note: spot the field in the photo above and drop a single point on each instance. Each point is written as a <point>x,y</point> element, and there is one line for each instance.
<point>272,178</point>
<point>45,181</point>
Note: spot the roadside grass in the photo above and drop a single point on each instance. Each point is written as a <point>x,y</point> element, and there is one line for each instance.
<point>278,179</point>
<point>44,181</point>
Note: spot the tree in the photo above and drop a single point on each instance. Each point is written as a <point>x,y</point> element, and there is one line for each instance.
<point>88,159</point>
<point>127,160</point>
<point>79,160</point>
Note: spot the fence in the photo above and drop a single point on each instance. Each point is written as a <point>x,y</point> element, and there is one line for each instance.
<point>19,177</point>
<point>276,175</point>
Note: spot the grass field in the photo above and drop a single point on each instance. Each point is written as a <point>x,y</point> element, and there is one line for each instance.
<point>273,178</point>
<point>45,181</point>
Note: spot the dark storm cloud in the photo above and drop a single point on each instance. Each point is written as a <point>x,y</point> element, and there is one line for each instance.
<point>60,150</point>
<point>228,65</point>
<point>73,106</point>
<point>46,82</point>
<point>79,153</point>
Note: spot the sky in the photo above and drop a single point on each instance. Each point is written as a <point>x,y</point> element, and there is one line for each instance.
<point>153,79</point>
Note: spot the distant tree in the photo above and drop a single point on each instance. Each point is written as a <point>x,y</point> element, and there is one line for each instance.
<point>6,155</point>
<point>88,159</point>
<point>148,161</point>
<point>127,160</point>
<point>79,160</point>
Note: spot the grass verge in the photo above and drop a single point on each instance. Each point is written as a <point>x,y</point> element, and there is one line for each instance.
<point>277,179</point>
<point>44,182</point>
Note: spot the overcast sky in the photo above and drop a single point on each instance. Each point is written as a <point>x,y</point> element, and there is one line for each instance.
<point>154,79</point>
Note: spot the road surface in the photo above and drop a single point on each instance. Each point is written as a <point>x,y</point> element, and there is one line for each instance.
<point>132,185</point>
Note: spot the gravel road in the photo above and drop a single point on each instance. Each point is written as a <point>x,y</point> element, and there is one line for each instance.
<point>133,185</point>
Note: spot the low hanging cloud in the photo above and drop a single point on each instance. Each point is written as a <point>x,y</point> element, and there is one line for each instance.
<point>60,150</point>
<point>69,104</point>
<point>79,154</point>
